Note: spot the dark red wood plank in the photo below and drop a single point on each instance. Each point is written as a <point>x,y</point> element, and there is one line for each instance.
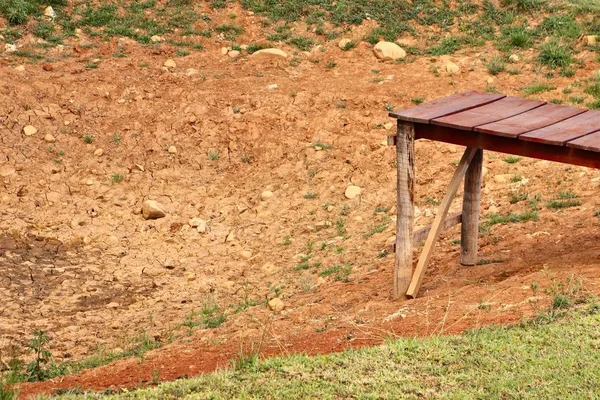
<point>445,106</point>
<point>540,117</point>
<point>589,142</point>
<point>564,154</point>
<point>566,130</point>
<point>498,110</point>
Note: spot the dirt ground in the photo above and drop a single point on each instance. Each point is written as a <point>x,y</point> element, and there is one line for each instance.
<point>78,261</point>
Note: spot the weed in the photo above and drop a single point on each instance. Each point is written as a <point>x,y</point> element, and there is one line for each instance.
<point>559,204</point>
<point>382,254</point>
<point>576,99</point>
<point>381,227</point>
<point>322,146</point>
<point>287,240</point>
<point>560,26</point>
<point>511,159</point>
<point>116,138</point>
<point>254,47</point>
<point>485,261</point>
<point>432,201</point>
<point>516,179</point>
<point>446,46</point>
<point>87,138</point>
<point>535,287</point>
<point>389,107</point>
<point>455,241</point>
<point>231,32</point>
<point>302,42</point>
<point>537,88</point>
<point>341,227</point>
<point>496,65</point>
<point>349,45</point>
<point>310,195</point>
<point>330,64</point>
<point>560,301</point>
<point>519,36</point>
<point>518,197</point>
<point>116,178</point>
<point>339,273</point>
<point>554,55</point>
<point>37,369</point>
<point>417,100</point>
<point>246,159</point>
<point>213,155</point>
<point>511,218</point>
<point>523,5</point>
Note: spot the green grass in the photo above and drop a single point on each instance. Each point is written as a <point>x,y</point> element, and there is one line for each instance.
<point>495,219</point>
<point>496,65</point>
<point>302,42</point>
<point>564,200</point>
<point>537,88</point>
<point>557,349</point>
<point>511,159</point>
<point>555,55</point>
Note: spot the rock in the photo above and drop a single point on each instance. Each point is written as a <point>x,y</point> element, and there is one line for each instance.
<point>196,222</point>
<point>172,150</point>
<point>503,178</point>
<point>343,43</point>
<point>170,63</point>
<point>272,87</point>
<point>490,80</point>
<point>484,173</point>
<point>389,125</point>
<point>113,305</point>
<point>30,130</point>
<point>451,67</point>
<point>49,138</point>
<point>20,68</point>
<point>98,152</point>
<point>6,170</point>
<point>266,195</point>
<point>388,51</point>
<point>269,53</point>
<point>245,254</point>
<point>224,51</point>
<point>276,304</point>
<point>493,210</point>
<point>49,12</point>
<point>230,237</point>
<point>202,226</point>
<point>151,209</point>
<point>590,40</point>
<point>234,54</point>
<point>514,58</point>
<point>10,48</point>
<point>352,192</point>
<point>156,39</point>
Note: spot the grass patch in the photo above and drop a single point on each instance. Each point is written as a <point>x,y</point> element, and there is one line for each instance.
<point>555,55</point>
<point>495,218</point>
<point>496,65</point>
<point>564,200</point>
<point>537,88</point>
<point>512,159</point>
<point>302,42</point>
<point>338,272</point>
<point>496,362</point>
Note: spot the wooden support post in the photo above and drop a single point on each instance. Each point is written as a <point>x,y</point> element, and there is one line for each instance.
<point>405,151</point>
<point>438,223</point>
<point>471,200</point>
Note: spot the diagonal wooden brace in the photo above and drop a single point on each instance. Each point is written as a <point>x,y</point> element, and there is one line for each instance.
<point>438,223</point>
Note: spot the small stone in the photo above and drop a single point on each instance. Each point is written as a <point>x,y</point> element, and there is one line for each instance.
<point>276,304</point>
<point>246,254</point>
<point>352,192</point>
<point>490,80</point>
<point>343,43</point>
<point>49,12</point>
<point>269,52</point>
<point>388,51</point>
<point>503,178</point>
<point>224,50</point>
<point>388,126</point>
<point>30,130</point>
<point>170,63</point>
<point>6,170</point>
<point>113,305</point>
<point>451,67</point>
<point>590,40</point>
<point>156,39</point>
<point>98,152</point>
<point>151,209</point>
<point>493,210</point>
<point>202,226</point>
<point>266,195</point>
<point>272,87</point>
<point>514,58</point>
<point>10,48</point>
<point>230,237</point>
<point>196,222</point>
<point>49,138</point>
<point>20,68</point>
<point>234,54</point>
<point>172,150</point>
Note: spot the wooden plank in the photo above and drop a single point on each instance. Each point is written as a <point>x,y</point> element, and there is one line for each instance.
<point>436,228</point>
<point>589,142</point>
<point>405,153</point>
<point>540,117</point>
<point>498,110</point>
<point>564,154</point>
<point>567,130</point>
<point>452,220</point>
<point>445,106</point>
<point>469,233</point>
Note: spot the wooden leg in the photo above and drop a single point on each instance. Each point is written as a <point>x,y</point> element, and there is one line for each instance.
<point>438,223</point>
<point>405,151</point>
<point>471,201</point>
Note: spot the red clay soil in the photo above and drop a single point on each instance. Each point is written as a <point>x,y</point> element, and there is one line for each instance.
<point>205,139</point>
